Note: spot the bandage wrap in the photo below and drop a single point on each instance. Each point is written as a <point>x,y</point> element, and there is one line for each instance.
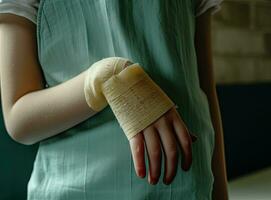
<point>98,73</point>
<point>135,99</point>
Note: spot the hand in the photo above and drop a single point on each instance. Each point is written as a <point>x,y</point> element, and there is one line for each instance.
<point>164,132</point>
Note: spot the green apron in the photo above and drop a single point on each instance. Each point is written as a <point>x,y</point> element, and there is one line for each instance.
<point>92,160</point>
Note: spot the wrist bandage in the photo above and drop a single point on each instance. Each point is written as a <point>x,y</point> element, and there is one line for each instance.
<point>98,73</point>
<point>135,99</point>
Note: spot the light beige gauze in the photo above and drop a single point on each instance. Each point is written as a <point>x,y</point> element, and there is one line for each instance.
<point>135,99</point>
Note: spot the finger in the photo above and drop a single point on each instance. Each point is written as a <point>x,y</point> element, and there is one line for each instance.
<point>153,145</point>
<point>169,144</point>
<point>185,141</point>
<point>137,148</point>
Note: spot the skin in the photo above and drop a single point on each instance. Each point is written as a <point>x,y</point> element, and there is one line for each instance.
<point>32,112</point>
<point>207,83</point>
<point>151,134</point>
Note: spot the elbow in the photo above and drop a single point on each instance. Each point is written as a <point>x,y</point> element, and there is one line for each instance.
<point>19,136</point>
<point>18,126</point>
<point>20,139</point>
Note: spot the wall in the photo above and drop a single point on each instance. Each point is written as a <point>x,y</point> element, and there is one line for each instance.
<point>242,42</point>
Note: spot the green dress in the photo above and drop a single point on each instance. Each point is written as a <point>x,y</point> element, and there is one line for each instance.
<point>92,160</point>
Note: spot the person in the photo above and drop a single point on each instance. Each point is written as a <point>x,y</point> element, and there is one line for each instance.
<point>46,49</point>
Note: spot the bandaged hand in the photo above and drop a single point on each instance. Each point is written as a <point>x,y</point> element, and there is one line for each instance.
<point>135,99</point>
<point>97,74</point>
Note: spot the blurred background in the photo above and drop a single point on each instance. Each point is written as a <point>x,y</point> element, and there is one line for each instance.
<point>242,61</point>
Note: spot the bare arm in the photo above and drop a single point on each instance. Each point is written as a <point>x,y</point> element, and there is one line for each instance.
<point>207,82</point>
<point>31,111</point>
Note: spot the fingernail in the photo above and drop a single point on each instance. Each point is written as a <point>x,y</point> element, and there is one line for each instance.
<point>153,181</point>
<point>165,182</point>
<point>141,173</point>
<point>185,168</point>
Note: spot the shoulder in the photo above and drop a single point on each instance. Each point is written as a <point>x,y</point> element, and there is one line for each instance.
<point>203,5</point>
<point>24,8</point>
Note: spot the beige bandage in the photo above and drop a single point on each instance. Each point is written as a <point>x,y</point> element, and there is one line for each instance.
<point>136,100</point>
<point>98,73</point>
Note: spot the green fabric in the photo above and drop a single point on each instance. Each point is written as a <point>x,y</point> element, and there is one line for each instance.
<point>92,160</point>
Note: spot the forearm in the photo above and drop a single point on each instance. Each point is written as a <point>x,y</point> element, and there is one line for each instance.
<point>218,161</point>
<point>32,112</point>
<point>47,112</point>
<point>208,85</point>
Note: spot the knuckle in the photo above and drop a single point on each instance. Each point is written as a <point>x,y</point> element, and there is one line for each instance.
<point>137,149</point>
<point>156,152</point>
<point>172,153</point>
